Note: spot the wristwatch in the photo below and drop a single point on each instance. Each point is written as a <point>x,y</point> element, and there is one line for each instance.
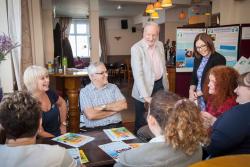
<point>64,123</point>
<point>103,107</point>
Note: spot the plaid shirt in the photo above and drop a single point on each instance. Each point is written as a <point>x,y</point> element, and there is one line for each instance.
<point>90,96</point>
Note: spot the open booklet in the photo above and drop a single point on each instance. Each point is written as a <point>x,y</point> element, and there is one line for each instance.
<point>243,65</point>
<point>78,155</point>
<point>73,139</point>
<point>119,134</point>
<point>113,149</point>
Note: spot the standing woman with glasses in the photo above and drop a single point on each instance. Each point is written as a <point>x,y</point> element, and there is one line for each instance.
<point>205,58</point>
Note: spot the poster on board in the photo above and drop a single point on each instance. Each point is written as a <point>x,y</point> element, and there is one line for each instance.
<point>226,41</point>
<point>184,48</point>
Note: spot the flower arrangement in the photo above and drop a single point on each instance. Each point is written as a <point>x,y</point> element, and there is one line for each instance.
<point>6,45</point>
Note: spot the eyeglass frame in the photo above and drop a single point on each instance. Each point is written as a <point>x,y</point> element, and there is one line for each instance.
<point>201,47</point>
<point>101,73</point>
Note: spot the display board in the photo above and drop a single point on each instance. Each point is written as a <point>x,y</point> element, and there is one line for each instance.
<point>184,48</point>
<point>226,40</point>
<point>245,41</point>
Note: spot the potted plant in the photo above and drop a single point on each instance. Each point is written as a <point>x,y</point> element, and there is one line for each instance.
<point>6,45</point>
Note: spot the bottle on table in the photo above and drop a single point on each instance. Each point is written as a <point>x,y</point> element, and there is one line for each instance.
<point>64,64</point>
<point>50,69</point>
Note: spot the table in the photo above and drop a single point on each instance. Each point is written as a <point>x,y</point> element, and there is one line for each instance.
<point>71,83</point>
<point>94,154</point>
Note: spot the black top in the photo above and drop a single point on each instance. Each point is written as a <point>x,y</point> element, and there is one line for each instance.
<point>51,118</point>
<point>231,132</point>
<point>214,60</point>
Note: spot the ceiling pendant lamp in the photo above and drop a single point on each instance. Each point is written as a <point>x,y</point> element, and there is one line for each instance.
<point>166,3</point>
<point>154,15</point>
<point>157,5</point>
<point>182,15</point>
<point>150,8</point>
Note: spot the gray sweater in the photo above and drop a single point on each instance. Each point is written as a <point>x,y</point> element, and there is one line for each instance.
<point>157,155</point>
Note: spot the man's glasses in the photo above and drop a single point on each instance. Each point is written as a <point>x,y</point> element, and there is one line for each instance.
<point>101,73</point>
<point>201,47</point>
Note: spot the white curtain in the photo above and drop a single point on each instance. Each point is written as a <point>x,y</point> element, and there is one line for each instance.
<point>14,24</point>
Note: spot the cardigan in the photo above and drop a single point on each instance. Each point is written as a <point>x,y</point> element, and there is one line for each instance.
<point>158,154</point>
<point>231,132</point>
<point>214,60</point>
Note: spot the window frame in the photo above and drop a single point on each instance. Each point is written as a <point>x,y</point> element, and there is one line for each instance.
<point>75,35</point>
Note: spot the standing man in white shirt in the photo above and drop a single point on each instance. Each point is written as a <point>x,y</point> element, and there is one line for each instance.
<point>149,70</point>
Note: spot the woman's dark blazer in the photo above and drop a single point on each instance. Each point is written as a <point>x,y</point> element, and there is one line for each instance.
<point>214,60</point>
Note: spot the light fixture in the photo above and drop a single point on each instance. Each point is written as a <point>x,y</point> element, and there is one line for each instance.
<point>182,15</point>
<point>166,3</point>
<point>150,8</point>
<point>119,7</point>
<point>154,15</point>
<point>157,5</point>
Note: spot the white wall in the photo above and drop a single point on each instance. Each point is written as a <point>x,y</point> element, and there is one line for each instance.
<point>172,22</point>
<point>123,45</point>
<point>232,11</point>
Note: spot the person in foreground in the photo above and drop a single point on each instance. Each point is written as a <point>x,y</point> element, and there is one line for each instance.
<point>177,139</point>
<point>231,131</point>
<point>205,58</point>
<point>219,94</point>
<point>101,101</point>
<point>149,70</point>
<point>36,80</point>
<point>20,117</point>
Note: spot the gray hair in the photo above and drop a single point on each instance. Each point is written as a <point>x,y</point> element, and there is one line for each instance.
<point>151,23</point>
<point>92,68</point>
<point>31,75</point>
<point>244,79</point>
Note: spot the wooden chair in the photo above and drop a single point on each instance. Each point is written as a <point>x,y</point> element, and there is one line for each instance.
<point>242,160</point>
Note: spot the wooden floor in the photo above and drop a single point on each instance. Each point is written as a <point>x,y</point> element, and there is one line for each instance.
<point>128,116</point>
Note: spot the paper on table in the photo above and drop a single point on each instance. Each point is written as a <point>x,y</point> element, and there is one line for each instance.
<point>73,139</point>
<point>115,148</point>
<point>119,134</point>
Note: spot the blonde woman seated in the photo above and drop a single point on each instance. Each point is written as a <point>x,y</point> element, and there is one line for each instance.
<point>178,133</point>
<point>36,80</point>
<point>20,117</point>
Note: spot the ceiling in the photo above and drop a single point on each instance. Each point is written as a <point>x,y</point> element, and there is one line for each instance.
<point>108,8</point>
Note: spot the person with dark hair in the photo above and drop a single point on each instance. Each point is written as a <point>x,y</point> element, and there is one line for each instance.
<point>20,118</point>
<point>177,139</point>
<point>219,87</point>
<point>231,131</point>
<point>205,58</point>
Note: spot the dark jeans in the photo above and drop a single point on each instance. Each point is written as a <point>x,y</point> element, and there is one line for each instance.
<point>140,118</point>
<point>115,125</point>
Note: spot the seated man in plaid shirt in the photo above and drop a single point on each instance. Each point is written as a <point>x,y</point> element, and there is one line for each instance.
<point>101,101</point>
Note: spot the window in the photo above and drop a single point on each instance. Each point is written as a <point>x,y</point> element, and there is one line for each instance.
<point>79,38</point>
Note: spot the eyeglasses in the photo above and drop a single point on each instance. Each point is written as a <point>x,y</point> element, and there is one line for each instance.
<point>201,47</point>
<point>101,73</point>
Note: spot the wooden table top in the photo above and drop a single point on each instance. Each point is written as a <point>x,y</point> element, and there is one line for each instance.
<point>94,154</point>
<point>71,72</point>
